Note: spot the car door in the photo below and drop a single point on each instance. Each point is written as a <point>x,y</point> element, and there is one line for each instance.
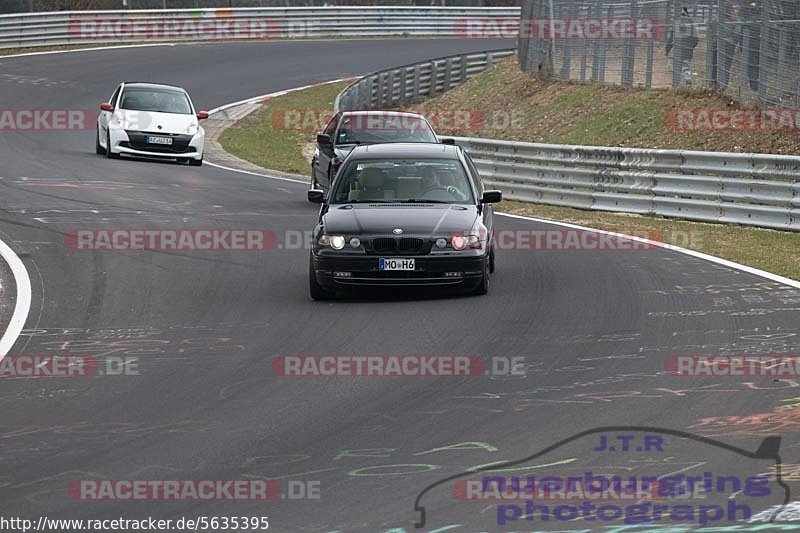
<point>105,116</point>
<point>324,154</point>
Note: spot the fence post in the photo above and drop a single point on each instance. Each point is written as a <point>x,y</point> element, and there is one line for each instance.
<point>711,54</point>
<point>628,55</point>
<point>524,39</point>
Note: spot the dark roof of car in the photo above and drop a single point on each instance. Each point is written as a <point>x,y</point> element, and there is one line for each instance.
<point>405,151</point>
<point>144,85</point>
<point>381,113</point>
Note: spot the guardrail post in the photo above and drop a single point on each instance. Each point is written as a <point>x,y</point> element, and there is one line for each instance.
<point>462,76</point>
<point>373,87</point>
<point>434,78</point>
<point>448,72</point>
<point>415,83</point>
<point>403,85</point>
<point>389,89</point>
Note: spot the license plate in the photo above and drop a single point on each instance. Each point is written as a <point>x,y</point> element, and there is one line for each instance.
<point>159,140</point>
<point>396,264</point>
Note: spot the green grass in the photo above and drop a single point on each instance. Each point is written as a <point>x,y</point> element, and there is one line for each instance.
<point>261,138</point>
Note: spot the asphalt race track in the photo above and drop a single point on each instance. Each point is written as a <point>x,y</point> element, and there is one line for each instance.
<point>595,329</point>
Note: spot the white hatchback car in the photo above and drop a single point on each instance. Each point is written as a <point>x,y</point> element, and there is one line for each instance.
<point>150,120</point>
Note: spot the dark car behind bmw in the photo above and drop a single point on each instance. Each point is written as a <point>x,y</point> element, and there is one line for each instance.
<point>348,129</point>
<point>403,215</point>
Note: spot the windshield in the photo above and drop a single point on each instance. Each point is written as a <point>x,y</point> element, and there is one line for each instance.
<point>432,181</point>
<point>156,100</point>
<point>384,128</point>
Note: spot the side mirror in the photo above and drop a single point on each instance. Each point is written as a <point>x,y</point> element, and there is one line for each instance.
<point>202,115</point>
<point>451,142</point>
<point>106,107</point>
<point>324,139</point>
<point>492,197</point>
<point>316,196</point>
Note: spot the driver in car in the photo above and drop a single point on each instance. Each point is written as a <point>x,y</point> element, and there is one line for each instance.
<point>431,181</point>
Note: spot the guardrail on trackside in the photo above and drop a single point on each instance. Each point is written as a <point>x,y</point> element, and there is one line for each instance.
<point>84,27</point>
<point>410,83</point>
<point>751,189</point>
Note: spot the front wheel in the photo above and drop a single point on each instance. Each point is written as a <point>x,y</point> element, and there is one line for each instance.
<point>98,148</point>
<point>196,162</point>
<point>109,153</point>
<point>318,292</point>
<point>483,286</point>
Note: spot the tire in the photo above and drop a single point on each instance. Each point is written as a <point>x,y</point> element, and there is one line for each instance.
<point>109,153</point>
<point>492,265</point>
<point>483,286</point>
<point>196,162</point>
<point>317,291</point>
<point>99,150</point>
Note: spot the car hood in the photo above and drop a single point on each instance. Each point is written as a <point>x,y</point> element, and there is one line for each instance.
<point>149,121</point>
<point>425,220</point>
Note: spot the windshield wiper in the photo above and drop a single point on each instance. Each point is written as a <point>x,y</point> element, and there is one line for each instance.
<point>414,201</point>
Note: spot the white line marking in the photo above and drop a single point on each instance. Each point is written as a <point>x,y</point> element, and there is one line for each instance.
<point>223,167</point>
<point>93,49</point>
<point>23,305</point>
<point>259,99</point>
<point>713,259</point>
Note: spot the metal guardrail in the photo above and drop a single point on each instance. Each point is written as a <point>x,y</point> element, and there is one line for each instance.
<point>92,27</point>
<point>410,83</point>
<point>750,189</point>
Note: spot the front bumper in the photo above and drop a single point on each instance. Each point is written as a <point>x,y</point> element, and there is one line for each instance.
<point>348,271</point>
<point>134,143</point>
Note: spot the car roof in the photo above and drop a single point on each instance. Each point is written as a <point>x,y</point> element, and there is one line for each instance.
<point>405,151</point>
<point>144,85</point>
<point>382,113</point>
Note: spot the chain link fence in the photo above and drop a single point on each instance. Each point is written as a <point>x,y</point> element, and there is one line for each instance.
<point>748,49</point>
<point>29,6</point>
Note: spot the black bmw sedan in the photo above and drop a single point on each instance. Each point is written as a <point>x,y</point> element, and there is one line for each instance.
<point>403,215</point>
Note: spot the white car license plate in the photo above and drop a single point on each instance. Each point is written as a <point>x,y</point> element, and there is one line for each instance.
<point>396,264</point>
<point>159,140</point>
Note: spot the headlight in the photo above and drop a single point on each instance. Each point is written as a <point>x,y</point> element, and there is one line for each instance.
<point>336,242</point>
<point>462,242</point>
<point>192,130</point>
